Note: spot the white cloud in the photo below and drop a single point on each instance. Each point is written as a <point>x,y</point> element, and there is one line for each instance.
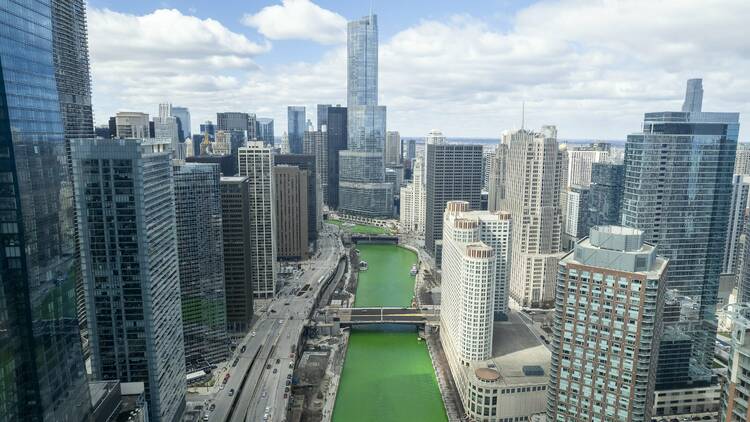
<point>298,20</point>
<point>591,67</point>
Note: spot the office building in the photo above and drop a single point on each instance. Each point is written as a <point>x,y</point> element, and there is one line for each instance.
<point>102,132</point>
<point>238,126</point>
<point>488,154</point>
<point>496,181</point>
<point>411,149</point>
<point>453,173</point>
<point>183,119</point>
<point>256,162</point>
<point>661,198</point>
<point>736,223</point>
<point>575,222</point>
<point>291,212</point>
<point>208,128</point>
<point>693,96</point>
<point>736,390</point>
<point>533,181</point>
<point>296,124</point>
<point>43,373</point>
<point>200,251</point>
<point>610,294</point>
<point>605,195</point>
<point>413,199</point>
<point>166,127</point>
<point>238,276</point>
<point>314,208</point>
<point>264,131</point>
<point>580,160</point>
<point>132,124</point>
<point>227,163</point>
<point>322,115</point>
<point>392,148</point>
<point>316,144</point>
<point>362,187</point>
<point>337,139</point>
<point>701,402</point>
<point>742,161</point>
<point>126,224</point>
<point>285,148</point>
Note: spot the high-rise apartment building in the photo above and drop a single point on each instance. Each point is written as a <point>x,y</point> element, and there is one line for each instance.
<point>609,299</point>
<point>413,201</point>
<point>496,181</point>
<point>736,223</point>
<point>131,124</point>
<point>682,205</point>
<point>314,208</point>
<point>256,162</point>
<point>362,186</point>
<point>238,277</point>
<point>316,144</point>
<point>337,139</point>
<point>183,118</point>
<point>126,223</point>
<point>487,155</point>
<point>532,195</point>
<point>742,160</point>
<point>291,212</point>
<point>296,124</point>
<point>43,62</point>
<point>575,215</point>
<point>264,131</point>
<point>605,195</point>
<point>166,127</point>
<point>322,115</point>
<point>580,160</point>
<point>736,389</point>
<point>200,250</point>
<point>392,148</point>
<point>453,172</point>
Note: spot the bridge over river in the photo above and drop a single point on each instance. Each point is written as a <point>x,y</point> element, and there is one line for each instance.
<point>384,315</point>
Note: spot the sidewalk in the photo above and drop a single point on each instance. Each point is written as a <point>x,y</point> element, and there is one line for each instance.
<point>453,406</point>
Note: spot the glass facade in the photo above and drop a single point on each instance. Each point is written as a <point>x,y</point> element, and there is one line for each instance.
<point>337,139</point>
<point>264,131</point>
<point>42,374</point>
<point>605,195</point>
<point>296,126</point>
<point>677,189</point>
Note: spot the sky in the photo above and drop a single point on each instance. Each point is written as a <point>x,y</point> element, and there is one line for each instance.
<point>590,67</point>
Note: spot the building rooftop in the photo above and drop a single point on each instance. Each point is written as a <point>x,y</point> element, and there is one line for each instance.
<point>233,178</point>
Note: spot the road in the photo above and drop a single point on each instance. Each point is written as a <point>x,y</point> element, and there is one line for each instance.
<point>256,386</point>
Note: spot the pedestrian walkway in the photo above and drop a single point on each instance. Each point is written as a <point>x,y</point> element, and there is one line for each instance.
<point>451,399</point>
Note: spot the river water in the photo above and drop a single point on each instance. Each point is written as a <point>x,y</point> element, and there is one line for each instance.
<point>387,374</point>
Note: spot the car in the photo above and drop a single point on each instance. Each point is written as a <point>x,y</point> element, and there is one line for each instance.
<point>205,417</point>
<point>277,361</point>
<point>221,386</point>
<point>286,303</point>
<point>231,392</point>
<point>252,334</point>
<point>273,311</point>
<point>268,366</point>
<point>275,370</point>
<point>288,376</point>
<point>242,350</point>
<point>266,416</point>
<point>263,395</point>
<point>213,406</point>
<point>286,395</point>
<point>288,382</point>
<point>286,389</point>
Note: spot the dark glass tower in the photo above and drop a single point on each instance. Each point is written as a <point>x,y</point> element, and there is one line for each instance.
<point>337,134</point>
<point>678,187</point>
<point>43,376</point>
<point>296,125</point>
<point>605,195</point>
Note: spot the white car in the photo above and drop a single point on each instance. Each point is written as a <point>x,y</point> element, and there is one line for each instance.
<point>252,334</point>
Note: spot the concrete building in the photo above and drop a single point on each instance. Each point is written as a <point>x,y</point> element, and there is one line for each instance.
<point>256,162</point>
<point>166,127</point>
<point>488,154</point>
<point>314,206</point>
<point>734,404</point>
<point>200,251</point>
<point>702,402</point>
<point>413,201</point>
<point>239,127</point>
<point>285,148</point>
<point>238,275</point>
<point>737,209</point>
<point>126,208</point>
<point>363,190</point>
<point>533,182</point>
<point>296,124</point>
<point>291,212</point>
<point>580,160</point>
<point>609,298</point>
<point>337,139</point>
<point>131,124</point>
<point>453,172</point>
<point>497,175</point>
<point>411,149</point>
<point>392,148</point>
<point>316,144</point>
<point>742,160</point>
<point>575,221</point>
<point>322,118</point>
<point>660,199</point>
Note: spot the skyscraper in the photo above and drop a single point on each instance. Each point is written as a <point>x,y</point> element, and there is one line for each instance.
<point>316,144</point>
<point>453,173</point>
<point>742,162</point>
<point>235,221</point>
<point>237,125</point>
<point>126,220</point>
<point>264,131</point>
<point>736,223</point>
<point>314,210</point>
<point>166,127</point>
<point>183,117</point>
<point>322,115</point>
<point>411,149</point>
<point>693,96</point>
<point>208,128</point>
<point>296,124</point>
<point>413,199</point>
<point>580,160</point>
<point>132,125</point>
<point>575,221</point>
<point>496,182</point>
<point>291,212</point>
<point>610,294</point>
<point>43,374</point>
<point>256,162</point>
<point>678,186</point>
<point>736,389</point>
<point>532,195</point>
<point>200,250</point>
<point>392,148</point>
<point>605,195</point>
<point>362,187</point>
<point>337,139</point>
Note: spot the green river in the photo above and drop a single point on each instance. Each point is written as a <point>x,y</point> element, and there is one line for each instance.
<point>387,374</point>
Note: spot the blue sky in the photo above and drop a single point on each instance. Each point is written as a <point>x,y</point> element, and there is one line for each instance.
<point>590,67</point>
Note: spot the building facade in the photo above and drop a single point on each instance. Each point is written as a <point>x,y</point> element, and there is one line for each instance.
<point>183,117</point>
<point>392,148</point>
<point>362,187</point>
<point>453,172</point>
<point>580,160</point>
<point>736,223</point>
<point>322,118</point>
<point>131,124</point>
<point>200,250</point>
<point>314,209</point>
<point>413,201</point>
<point>605,195</point>
<point>316,144</point>
<point>236,229</point>
<point>126,223</point>
<point>609,298</point>
<point>264,131</point>
<point>291,212</point>
<point>676,155</point>
<point>532,194</point>
<point>256,161</point>
<point>296,124</point>
<point>337,140</point>
<point>496,180</point>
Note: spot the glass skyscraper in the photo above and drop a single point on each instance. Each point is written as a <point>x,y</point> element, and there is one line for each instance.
<point>362,187</point>
<point>296,126</point>
<point>677,189</point>
<point>42,374</point>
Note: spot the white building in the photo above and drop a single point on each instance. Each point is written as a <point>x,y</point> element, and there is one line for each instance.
<point>413,199</point>
<point>222,145</point>
<point>580,160</point>
<point>256,162</point>
<point>533,198</point>
<point>132,125</point>
<point>285,148</point>
<point>165,127</point>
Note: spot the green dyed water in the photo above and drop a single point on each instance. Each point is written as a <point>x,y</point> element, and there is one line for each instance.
<point>387,375</point>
